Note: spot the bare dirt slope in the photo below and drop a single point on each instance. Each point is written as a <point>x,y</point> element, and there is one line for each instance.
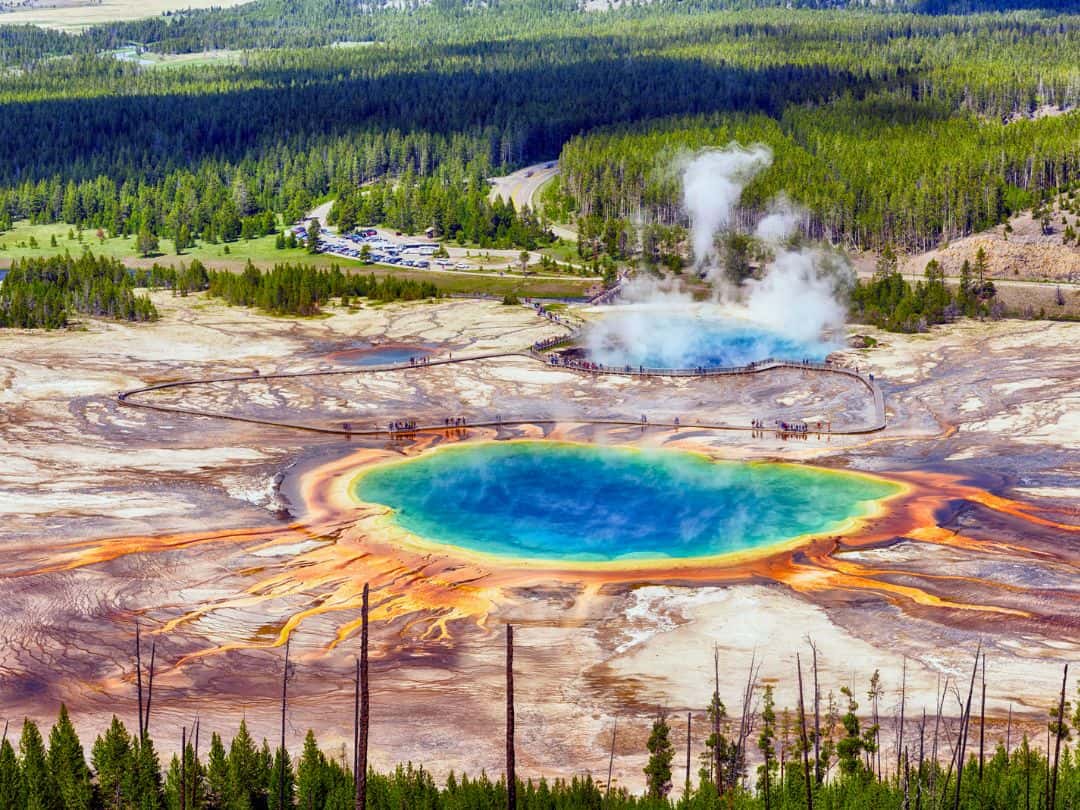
<point>1025,254</point>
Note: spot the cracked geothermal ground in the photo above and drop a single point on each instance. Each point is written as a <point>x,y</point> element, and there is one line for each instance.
<point>225,537</point>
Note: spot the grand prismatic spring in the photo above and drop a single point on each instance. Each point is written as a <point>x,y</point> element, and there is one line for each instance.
<point>582,503</point>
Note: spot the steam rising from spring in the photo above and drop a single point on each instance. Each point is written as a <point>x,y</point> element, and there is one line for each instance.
<point>793,307</point>
<point>713,182</point>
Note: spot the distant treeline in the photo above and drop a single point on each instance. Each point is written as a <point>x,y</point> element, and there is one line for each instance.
<point>44,293</point>
<point>868,173</point>
<point>221,201</point>
<point>285,23</point>
<point>285,289</point>
<point>300,289</point>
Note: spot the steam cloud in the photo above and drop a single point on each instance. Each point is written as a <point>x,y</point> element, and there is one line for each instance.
<point>793,309</point>
<point>712,184</point>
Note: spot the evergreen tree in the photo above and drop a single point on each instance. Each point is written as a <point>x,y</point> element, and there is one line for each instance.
<point>183,239</point>
<point>246,788</point>
<point>113,762</point>
<point>767,746</point>
<point>146,242</point>
<point>853,744</point>
<point>310,777</point>
<point>67,765</point>
<point>281,762</point>
<point>981,268</point>
<point>887,263</point>
<point>10,778</point>
<point>38,786</point>
<point>217,775</point>
<point>661,755</point>
<point>146,783</point>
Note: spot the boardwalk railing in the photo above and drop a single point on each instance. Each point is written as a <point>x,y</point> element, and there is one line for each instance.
<point>540,351</point>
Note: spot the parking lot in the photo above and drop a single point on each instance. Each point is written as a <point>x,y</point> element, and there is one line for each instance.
<point>367,244</point>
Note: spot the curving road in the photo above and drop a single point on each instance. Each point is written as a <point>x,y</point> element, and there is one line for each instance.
<point>521,187</point>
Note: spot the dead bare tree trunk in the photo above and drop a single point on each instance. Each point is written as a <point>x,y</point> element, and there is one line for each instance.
<point>183,768</point>
<point>195,760</point>
<point>138,676</point>
<point>982,719</point>
<point>284,704</point>
<point>900,730</point>
<point>937,727</point>
<point>904,780</point>
<point>686,788</point>
<point>819,776</point>
<point>1046,780</point>
<point>746,721</point>
<point>611,758</point>
<point>149,690</point>
<point>356,729</point>
<point>805,741</point>
<point>1057,739</point>
<point>511,776</point>
<point>718,770</point>
<point>919,771</point>
<point>1008,733</point>
<point>1027,774</point>
<point>965,720</point>
<point>365,713</point>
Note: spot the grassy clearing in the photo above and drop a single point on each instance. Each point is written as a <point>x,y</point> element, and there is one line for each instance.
<point>75,16</point>
<point>27,241</point>
<point>563,252</point>
<point>198,59</point>
<point>16,244</point>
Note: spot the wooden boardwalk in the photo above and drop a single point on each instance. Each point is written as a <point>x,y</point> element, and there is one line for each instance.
<point>132,398</point>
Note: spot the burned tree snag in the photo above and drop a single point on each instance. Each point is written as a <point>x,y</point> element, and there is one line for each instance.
<point>149,690</point>
<point>805,741</point>
<point>511,776</point>
<point>1057,739</point>
<point>365,702</point>
<point>611,758</point>
<point>138,676</point>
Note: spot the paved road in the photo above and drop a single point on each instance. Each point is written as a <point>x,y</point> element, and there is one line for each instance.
<point>321,213</point>
<point>521,187</point>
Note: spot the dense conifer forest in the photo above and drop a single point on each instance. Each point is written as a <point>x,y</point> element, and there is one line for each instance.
<point>836,755</point>
<point>297,289</point>
<point>888,127</point>
<point>901,124</point>
<point>45,293</point>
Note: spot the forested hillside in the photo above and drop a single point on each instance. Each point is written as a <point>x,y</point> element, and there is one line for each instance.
<point>887,127</point>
